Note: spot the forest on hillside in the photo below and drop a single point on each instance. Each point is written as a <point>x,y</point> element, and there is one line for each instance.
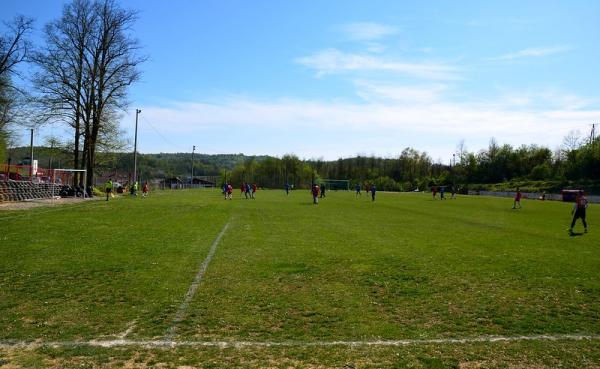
<point>536,166</point>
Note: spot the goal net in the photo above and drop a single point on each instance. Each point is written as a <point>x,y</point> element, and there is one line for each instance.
<point>25,183</point>
<point>336,184</point>
<point>70,182</point>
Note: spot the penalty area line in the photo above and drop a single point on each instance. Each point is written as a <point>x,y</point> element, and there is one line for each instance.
<point>194,286</point>
<point>24,345</point>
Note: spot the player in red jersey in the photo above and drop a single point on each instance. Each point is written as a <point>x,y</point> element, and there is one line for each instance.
<point>229,191</point>
<point>518,196</point>
<point>578,211</point>
<point>315,194</point>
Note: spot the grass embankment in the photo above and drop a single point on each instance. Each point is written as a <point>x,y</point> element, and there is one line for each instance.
<point>589,186</point>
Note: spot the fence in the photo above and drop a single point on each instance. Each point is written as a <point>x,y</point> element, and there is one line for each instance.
<point>183,186</point>
<point>530,195</point>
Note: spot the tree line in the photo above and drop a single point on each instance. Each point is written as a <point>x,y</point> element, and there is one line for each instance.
<point>575,161</point>
<point>412,169</point>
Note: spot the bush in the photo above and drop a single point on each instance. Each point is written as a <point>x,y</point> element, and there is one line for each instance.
<point>386,184</point>
<point>589,186</point>
<point>98,192</point>
<point>540,172</point>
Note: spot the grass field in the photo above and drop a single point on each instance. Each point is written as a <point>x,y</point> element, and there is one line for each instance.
<point>404,281</point>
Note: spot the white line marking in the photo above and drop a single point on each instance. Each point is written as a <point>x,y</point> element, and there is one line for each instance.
<point>192,290</point>
<point>130,328</point>
<point>260,344</point>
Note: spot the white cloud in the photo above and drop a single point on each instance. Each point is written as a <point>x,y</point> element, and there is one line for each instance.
<point>375,47</point>
<point>531,52</point>
<point>332,61</point>
<point>394,93</point>
<point>548,99</point>
<point>367,31</point>
<point>334,128</point>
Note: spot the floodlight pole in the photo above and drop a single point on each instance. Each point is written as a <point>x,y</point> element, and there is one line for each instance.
<point>137,112</point>
<point>192,177</point>
<point>31,157</point>
<point>454,172</point>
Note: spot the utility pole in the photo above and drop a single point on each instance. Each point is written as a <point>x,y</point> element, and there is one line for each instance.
<point>192,177</point>
<point>31,157</point>
<point>137,112</point>
<point>593,134</point>
<point>453,172</point>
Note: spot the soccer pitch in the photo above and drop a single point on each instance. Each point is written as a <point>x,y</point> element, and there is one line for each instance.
<point>188,279</point>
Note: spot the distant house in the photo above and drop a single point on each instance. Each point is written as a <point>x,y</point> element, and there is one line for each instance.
<point>173,183</point>
<point>203,182</point>
<point>117,177</point>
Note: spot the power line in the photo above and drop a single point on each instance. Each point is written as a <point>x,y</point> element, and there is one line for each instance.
<point>180,148</point>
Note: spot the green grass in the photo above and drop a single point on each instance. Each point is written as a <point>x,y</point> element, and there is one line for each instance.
<point>402,267</point>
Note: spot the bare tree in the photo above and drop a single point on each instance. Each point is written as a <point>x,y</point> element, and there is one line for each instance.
<point>112,66</point>
<point>14,46</point>
<point>61,73</point>
<point>572,141</point>
<point>461,151</point>
<point>88,63</point>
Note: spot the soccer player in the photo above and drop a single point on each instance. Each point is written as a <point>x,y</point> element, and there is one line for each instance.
<point>243,189</point>
<point>108,187</point>
<point>373,191</point>
<point>518,196</point>
<point>315,194</point>
<point>453,190</point>
<point>357,188</point>
<point>254,188</point>
<point>442,192</point>
<point>145,189</point>
<point>247,189</point>
<point>287,188</point>
<point>322,190</point>
<point>578,211</point>
<point>229,192</point>
<point>433,191</point>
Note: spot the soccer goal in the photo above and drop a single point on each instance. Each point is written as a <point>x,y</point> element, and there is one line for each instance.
<point>66,183</point>
<point>336,184</point>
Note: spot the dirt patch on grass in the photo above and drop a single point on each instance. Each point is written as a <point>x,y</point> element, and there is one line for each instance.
<point>30,204</point>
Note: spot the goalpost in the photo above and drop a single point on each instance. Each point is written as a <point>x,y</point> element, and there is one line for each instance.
<point>336,184</point>
<point>64,177</point>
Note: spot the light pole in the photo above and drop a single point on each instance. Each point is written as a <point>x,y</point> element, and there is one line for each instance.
<point>453,174</point>
<point>192,177</point>
<point>31,157</point>
<point>137,112</point>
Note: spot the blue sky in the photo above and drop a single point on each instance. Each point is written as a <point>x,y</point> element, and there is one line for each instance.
<point>339,78</point>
